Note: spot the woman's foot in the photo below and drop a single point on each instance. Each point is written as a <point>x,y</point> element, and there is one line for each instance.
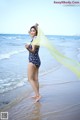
<point>38,98</point>
<point>34,97</point>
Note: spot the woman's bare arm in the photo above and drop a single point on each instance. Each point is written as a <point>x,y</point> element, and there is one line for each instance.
<point>31,50</point>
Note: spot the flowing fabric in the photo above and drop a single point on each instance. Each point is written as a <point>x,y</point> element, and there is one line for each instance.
<point>42,40</point>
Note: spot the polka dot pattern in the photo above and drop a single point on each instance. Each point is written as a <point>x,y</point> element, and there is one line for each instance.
<point>34,57</point>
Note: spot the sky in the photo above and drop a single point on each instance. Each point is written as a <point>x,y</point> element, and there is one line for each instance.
<point>17,16</point>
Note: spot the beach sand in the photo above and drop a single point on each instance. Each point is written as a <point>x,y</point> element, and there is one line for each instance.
<point>60,99</point>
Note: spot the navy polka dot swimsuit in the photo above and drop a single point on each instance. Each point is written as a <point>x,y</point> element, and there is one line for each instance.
<point>34,57</point>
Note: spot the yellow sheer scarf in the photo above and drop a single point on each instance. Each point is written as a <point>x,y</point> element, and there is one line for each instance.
<point>42,40</point>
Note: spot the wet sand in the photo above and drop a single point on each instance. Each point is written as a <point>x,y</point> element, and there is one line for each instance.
<point>60,99</point>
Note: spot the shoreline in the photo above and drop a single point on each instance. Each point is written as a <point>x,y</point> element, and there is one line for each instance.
<point>60,99</point>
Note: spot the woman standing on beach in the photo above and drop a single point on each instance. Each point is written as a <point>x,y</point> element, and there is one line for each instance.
<point>34,63</point>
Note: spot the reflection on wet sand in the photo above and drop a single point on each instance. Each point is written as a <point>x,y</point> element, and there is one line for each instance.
<point>36,112</point>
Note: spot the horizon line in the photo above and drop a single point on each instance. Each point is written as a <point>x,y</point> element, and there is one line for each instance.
<point>45,34</point>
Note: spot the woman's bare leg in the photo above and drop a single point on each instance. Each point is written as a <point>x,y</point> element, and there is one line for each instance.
<point>31,74</point>
<point>36,80</point>
<point>37,84</point>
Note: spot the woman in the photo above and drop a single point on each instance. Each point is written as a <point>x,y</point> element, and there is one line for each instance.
<point>34,63</point>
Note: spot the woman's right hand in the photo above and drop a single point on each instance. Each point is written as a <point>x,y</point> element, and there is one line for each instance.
<point>27,46</point>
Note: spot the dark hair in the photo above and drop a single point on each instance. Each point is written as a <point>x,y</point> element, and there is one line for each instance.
<point>35,29</point>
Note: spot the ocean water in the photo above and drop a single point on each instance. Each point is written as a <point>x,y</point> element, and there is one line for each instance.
<point>14,58</point>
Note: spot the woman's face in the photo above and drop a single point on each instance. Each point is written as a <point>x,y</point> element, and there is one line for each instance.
<point>32,32</point>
